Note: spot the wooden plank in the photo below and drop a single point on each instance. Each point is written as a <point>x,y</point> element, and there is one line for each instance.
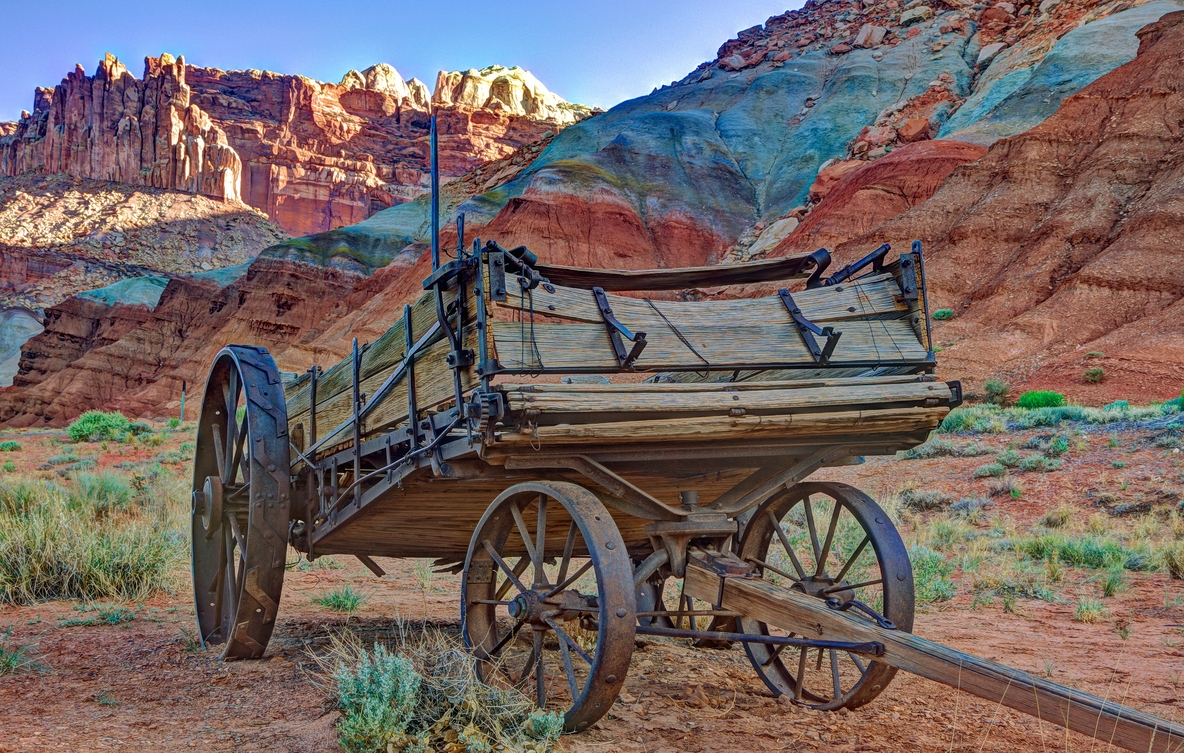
<point>1110,722</point>
<point>725,400</point>
<point>712,386</point>
<point>783,268</point>
<point>873,296</point>
<point>723,345</point>
<point>714,428</point>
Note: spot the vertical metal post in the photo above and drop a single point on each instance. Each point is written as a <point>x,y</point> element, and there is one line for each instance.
<point>435,197</point>
<point>183,386</point>
<point>924,294</point>
<point>357,424</point>
<point>482,318</point>
<point>460,236</point>
<point>312,405</point>
<point>412,410</point>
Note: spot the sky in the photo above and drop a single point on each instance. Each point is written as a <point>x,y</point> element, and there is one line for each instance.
<point>595,52</point>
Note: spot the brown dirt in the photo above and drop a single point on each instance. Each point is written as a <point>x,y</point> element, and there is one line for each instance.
<point>142,683</point>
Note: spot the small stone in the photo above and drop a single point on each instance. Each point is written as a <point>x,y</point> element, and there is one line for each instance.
<point>914,129</point>
<point>1048,5</point>
<point>988,53</point>
<point>839,49</point>
<point>995,14</point>
<point>916,15</point>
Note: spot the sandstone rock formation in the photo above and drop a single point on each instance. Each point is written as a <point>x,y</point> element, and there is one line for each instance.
<point>1061,241</point>
<point>115,127</point>
<point>313,156</point>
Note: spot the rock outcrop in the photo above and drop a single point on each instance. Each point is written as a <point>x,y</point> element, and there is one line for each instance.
<point>1057,250</point>
<point>115,127</point>
<point>313,156</point>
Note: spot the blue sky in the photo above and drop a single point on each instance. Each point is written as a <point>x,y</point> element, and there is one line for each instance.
<point>598,53</point>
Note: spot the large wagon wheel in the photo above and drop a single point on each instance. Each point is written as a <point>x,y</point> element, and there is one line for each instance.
<point>814,538</point>
<point>564,634</point>
<point>241,502</point>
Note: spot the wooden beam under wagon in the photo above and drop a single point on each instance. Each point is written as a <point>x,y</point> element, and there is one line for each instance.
<point>1122,726</point>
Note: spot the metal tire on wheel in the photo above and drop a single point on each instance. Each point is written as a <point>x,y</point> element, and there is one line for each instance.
<point>787,551</point>
<point>241,502</point>
<point>580,641</point>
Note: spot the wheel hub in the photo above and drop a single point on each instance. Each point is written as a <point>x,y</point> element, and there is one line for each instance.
<point>535,607</point>
<point>824,587</point>
<point>211,511</point>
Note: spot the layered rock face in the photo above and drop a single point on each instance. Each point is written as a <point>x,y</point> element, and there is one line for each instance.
<point>313,156</point>
<point>1057,250</point>
<point>115,127</point>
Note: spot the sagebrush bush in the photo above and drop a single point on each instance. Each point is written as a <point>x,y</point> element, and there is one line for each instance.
<point>995,391</point>
<point>1040,399</point>
<point>376,696</point>
<point>942,315</point>
<point>95,425</point>
<point>919,500</point>
<point>10,445</point>
<point>931,581</point>
<point>82,538</point>
<point>1094,375</point>
<point>990,470</point>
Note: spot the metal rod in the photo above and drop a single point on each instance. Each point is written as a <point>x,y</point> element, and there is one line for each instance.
<point>412,409</point>
<point>312,405</point>
<point>357,422</point>
<point>435,197</point>
<point>871,648</point>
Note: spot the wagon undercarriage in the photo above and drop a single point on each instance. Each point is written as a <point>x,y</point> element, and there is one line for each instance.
<point>599,464</point>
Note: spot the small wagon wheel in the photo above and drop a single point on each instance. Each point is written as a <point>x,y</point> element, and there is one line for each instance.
<point>240,502</point>
<point>814,538</point>
<point>562,632</point>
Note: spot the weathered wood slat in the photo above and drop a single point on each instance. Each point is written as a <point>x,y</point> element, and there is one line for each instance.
<point>806,426</point>
<point>1110,722</point>
<point>873,296</point>
<point>679,278</point>
<point>723,345</point>
<point>718,383</point>
<point>724,399</point>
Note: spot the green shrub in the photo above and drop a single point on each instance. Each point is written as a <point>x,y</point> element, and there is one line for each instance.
<point>95,425</point>
<point>8,467</point>
<point>990,470</point>
<point>1113,583</point>
<point>1082,551</point>
<point>1118,405</point>
<point>931,581</point>
<point>377,697</point>
<point>1094,375</point>
<point>1040,463</point>
<point>1173,560</point>
<point>1094,354</point>
<point>1058,518</point>
<point>174,423</point>
<point>925,500</point>
<point>104,492</point>
<point>942,315</point>
<point>995,391</point>
<point>1008,458</point>
<point>344,599</point>
<point>10,445</point>
<point>1040,399</point>
<point>139,428</point>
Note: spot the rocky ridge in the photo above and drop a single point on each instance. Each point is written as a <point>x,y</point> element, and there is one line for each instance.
<point>312,155</point>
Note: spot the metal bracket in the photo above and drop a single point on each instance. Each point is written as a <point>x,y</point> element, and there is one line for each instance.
<point>859,606</point>
<point>497,276</point>
<point>875,258</point>
<point>908,277</point>
<point>616,330</point>
<point>808,329</point>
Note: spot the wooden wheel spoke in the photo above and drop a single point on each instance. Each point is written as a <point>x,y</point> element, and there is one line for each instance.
<point>568,669</point>
<point>219,451</point>
<point>565,638</point>
<point>540,676</point>
<point>519,568</point>
<point>238,536</point>
<point>568,548</point>
<point>239,460</point>
<point>834,674</point>
<point>813,532</point>
<point>853,586</point>
<point>858,662</point>
<point>527,541</point>
<point>854,556</point>
<point>501,563</point>
<point>506,638</point>
<point>540,542</point>
<point>797,690</point>
<point>785,543</point>
<point>830,537</point>
<point>571,579</point>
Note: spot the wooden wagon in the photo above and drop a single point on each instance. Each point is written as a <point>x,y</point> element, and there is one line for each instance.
<point>599,464</point>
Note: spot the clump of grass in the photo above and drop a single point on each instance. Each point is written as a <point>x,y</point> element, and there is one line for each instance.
<point>104,492</point>
<point>942,315</point>
<point>10,445</point>
<point>938,448</point>
<point>931,576</point>
<point>1089,611</point>
<point>345,599</point>
<point>970,506</point>
<point>1113,583</point>
<point>1081,551</point>
<point>95,425</point>
<point>8,467</point>
<point>996,392</point>
<point>1094,375</point>
<point>1040,463</point>
<point>139,428</point>
<point>1007,485</point>
<point>104,614</point>
<point>1040,399</point>
<point>14,658</point>
<point>174,423</point>
<point>1173,560</point>
<point>1058,517</point>
<point>1008,459</point>
<point>990,470</point>
<point>919,501</point>
<point>425,695</point>
<point>71,540</point>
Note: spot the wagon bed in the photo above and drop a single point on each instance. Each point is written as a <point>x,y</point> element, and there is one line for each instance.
<point>574,446</point>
